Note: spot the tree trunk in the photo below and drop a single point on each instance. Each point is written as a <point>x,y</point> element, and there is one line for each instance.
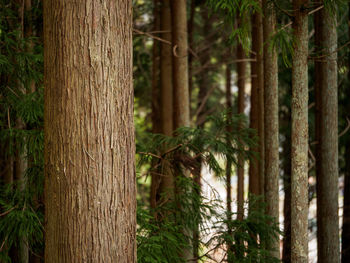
<point>257,72</point>
<point>241,79</point>
<point>346,211</point>
<point>166,86</point>
<point>90,190</point>
<point>327,180</point>
<point>156,113</point>
<point>228,164</point>
<point>271,122</point>
<point>180,64</point>
<point>299,151</point>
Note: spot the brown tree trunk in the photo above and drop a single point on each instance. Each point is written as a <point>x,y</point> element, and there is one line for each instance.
<point>156,113</point>
<point>228,164</point>
<point>190,44</point>
<point>286,255</point>
<point>299,151</point>
<point>180,64</point>
<point>257,72</point>
<point>346,210</point>
<point>90,190</point>
<point>166,86</point>
<point>241,79</point>
<point>327,180</point>
<point>271,122</point>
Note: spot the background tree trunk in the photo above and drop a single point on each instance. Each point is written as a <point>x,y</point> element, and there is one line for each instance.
<point>271,121</point>
<point>241,80</point>
<point>327,180</point>
<point>257,73</point>
<point>90,193</point>
<point>299,152</point>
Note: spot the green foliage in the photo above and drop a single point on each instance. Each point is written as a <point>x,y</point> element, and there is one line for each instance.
<point>244,240</point>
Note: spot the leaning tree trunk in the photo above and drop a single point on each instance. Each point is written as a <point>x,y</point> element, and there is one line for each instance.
<point>90,190</point>
<point>271,122</point>
<point>327,180</point>
<point>299,151</point>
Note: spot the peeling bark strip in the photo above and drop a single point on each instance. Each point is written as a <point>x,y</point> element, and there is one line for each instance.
<point>271,122</point>
<point>90,188</point>
<point>299,152</point>
<point>327,179</point>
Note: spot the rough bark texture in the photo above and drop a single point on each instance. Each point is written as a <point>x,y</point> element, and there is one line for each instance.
<point>346,212</point>
<point>90,190</point>
<point>299,151</point>
<point>271,121</point>
<point>156,113</point>
<point>241,79</point>
<point>180,64</point>
<point>257,72</point>
<point>327,180</point>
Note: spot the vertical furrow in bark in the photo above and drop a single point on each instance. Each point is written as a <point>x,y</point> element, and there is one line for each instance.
<point>90,189</point>
<point>299,151</point>
<point>271,121</point>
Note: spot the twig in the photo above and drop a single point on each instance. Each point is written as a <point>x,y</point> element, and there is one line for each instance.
<point>346,128</point>
<point>8,211</point>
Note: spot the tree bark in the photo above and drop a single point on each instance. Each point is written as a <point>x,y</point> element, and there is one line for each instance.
<point>299,151</point>
<point>327,179</point>
<point>271,122</point>
<point>229,129</point>
<point>346,212</point>
<point>257,72</point>
<point>90,190</point>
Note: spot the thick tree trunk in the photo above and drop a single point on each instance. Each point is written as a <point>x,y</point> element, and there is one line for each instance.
<point>257,72</point>
<point>346,212</point>
<point>241,80</point>
<point>299,151</point>
<point>90,190</point>
<point>327,180</point>
<point>271,121</point>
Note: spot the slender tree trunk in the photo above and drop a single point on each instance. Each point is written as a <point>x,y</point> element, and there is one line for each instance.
<point>327,180</point>
<point>241,79</point>
<point>166,86</point>
<point>156,113</point>
<point>90,189</point>
<point>190,44</point>
<point>257,72</point>
<point>271,122</point>
<point>299,151</point>
<point>180,64</point>
<point>346,209</point>
<point>286,255</point>
<point>229,164</point>
<point>180,83</point>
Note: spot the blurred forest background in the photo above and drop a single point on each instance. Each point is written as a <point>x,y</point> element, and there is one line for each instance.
<point>242,117</point>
